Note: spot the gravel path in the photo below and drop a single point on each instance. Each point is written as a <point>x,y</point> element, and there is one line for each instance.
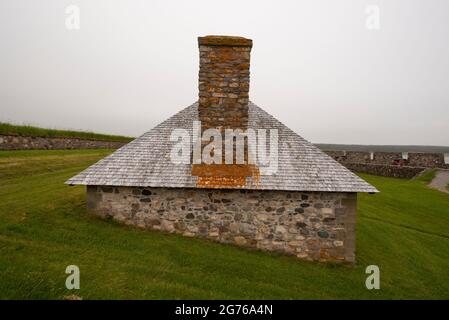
<point>440,181</point>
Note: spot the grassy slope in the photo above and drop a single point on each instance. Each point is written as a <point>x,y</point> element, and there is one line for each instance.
<point>10,129</point>
<point>44,228</point>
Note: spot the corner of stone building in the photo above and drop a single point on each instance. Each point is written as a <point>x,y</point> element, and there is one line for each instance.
<point>350,205</point>
<point>94,199</point>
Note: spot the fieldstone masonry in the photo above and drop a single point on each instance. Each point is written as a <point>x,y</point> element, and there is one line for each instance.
<point>317,226</point>
<point>223,104</point>
<point>390,164</point>
<point>224,82</point>
<point>414,159</point>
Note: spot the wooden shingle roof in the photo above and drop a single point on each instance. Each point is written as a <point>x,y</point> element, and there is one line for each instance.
<point>145,162</point>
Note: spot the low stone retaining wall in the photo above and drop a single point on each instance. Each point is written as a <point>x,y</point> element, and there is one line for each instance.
<point>390,164</point>
<point>403,172</point>
<point>10,142</point>
<point>310,225</point>
<point>411,159</point>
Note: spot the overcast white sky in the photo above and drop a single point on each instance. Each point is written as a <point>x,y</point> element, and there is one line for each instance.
<point>315,66</point>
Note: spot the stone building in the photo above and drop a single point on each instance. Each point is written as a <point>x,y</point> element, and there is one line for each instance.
<point>305,206</point>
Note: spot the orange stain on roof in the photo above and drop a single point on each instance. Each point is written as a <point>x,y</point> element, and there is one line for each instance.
<point>217,176</point>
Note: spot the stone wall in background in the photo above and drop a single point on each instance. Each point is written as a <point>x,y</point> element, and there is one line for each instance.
<point>411,159</point>
<point>403,172</point>
<point>428,160</point>
<point>390,164</point>
<point>28,143</point>
<point>310,225</point>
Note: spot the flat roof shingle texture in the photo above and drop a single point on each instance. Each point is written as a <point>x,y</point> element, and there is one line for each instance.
<point>145,162</point>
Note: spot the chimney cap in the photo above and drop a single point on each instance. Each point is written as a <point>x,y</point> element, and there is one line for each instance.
<point>225,41</point>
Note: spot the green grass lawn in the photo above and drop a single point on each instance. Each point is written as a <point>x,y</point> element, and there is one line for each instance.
<point>24,130</point>
<point>44,227</point>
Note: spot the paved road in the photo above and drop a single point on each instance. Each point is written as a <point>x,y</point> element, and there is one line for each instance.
<point>440,181</point>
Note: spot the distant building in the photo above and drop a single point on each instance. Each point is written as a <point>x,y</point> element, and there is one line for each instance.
<point>306,206</point>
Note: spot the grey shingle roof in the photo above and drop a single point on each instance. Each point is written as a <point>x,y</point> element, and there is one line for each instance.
<point>145,161</point>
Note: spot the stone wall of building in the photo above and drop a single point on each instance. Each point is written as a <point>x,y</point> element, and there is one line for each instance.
<point>310,225</point>
<point>10,142</point>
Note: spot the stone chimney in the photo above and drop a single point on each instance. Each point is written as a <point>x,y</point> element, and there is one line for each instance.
<point>223,104</point>
<point>224,81</point>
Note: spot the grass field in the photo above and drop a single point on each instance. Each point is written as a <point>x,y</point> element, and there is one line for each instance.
<point>44,227</point>
<point>24,130</point>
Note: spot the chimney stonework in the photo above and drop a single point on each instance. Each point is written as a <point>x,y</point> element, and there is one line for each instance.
<point>224,82</point>
<point>223,104</point>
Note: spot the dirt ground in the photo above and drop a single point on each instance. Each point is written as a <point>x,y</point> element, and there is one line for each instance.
<point>441,181</point>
